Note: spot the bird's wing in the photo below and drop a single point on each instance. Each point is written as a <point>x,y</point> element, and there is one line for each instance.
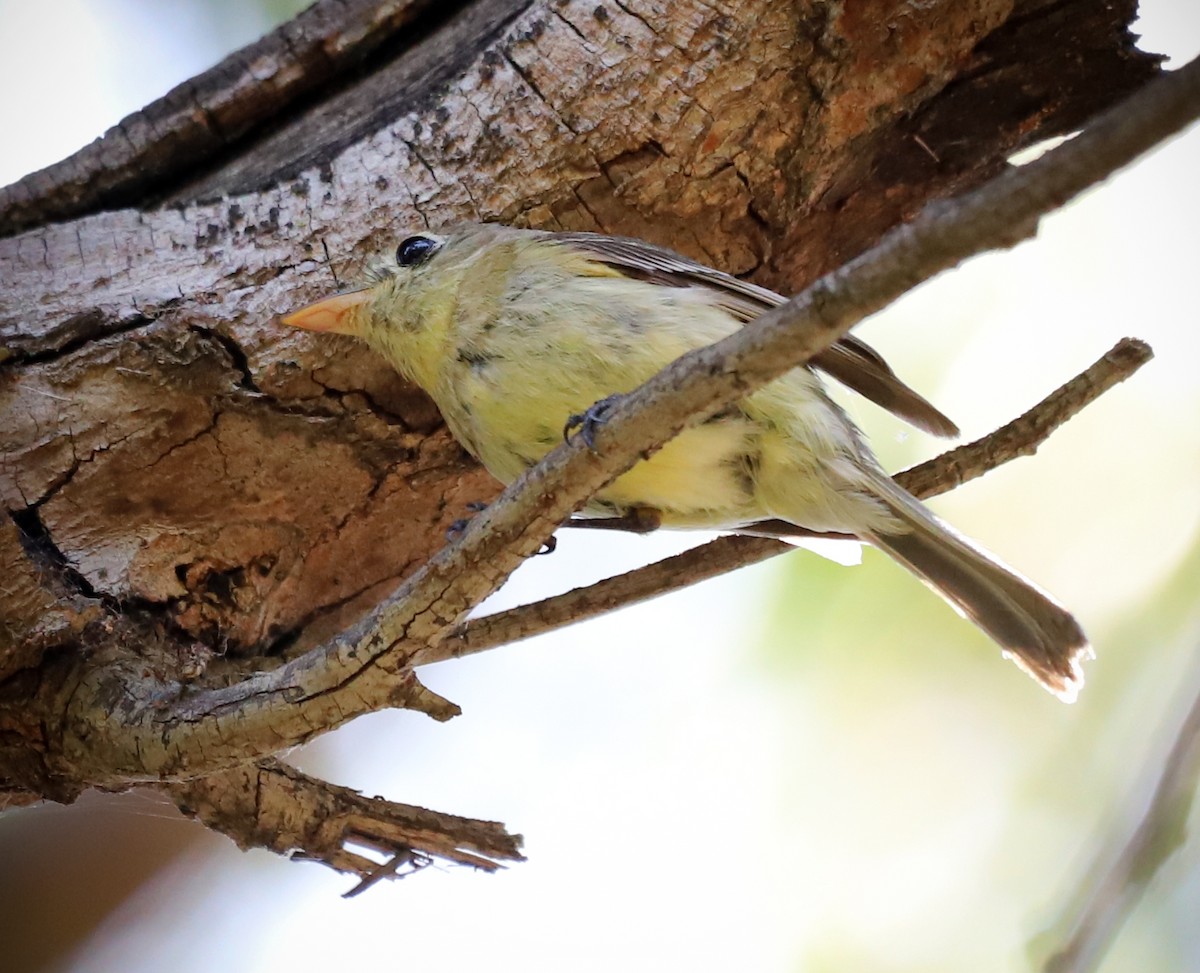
<point>852,362</point>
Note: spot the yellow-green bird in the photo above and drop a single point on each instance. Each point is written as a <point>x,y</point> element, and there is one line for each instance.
<point>515,332</point>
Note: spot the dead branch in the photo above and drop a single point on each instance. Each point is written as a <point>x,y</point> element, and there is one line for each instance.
<point>276,807</point>
<point>209,113</point>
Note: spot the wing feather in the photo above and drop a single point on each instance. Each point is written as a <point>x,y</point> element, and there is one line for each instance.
<point>851,361</point>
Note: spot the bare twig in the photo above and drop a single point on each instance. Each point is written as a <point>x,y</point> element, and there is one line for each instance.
<point>1027,432</point>
<point>1021,437</point>
<point>1162,831</point>
<point>670,574</point>
<point>276,807</point>
<point>360,670</point>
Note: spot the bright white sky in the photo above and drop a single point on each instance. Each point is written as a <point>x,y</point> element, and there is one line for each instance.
<point>687,806</point>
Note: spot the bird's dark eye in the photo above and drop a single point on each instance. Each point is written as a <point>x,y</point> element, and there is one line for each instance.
<point>416,250</point>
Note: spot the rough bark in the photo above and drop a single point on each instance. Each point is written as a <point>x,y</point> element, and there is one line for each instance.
<point>196,494</point>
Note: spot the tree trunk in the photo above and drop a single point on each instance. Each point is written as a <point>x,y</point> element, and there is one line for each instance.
<point>197,497</point>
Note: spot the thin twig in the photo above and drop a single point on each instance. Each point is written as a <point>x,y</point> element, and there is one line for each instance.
<point>1161,832</point>
<point>368,667</point>
<point>1021,437</point>
<point>1027,432</point>
<point>274,806</point>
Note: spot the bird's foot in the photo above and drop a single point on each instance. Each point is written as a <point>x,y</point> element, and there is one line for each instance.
<point>588,422</point>
<point>458,526</point>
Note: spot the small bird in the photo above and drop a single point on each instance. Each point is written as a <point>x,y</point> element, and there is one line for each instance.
<point>517,334</point>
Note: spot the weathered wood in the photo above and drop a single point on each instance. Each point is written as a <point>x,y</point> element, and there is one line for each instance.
<point>189,484</point>
<point>214,113</point>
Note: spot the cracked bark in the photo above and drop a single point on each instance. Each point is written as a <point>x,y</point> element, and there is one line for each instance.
<point>195,494</point>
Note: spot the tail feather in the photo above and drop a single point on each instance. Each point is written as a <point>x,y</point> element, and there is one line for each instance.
<point>1038,634</point>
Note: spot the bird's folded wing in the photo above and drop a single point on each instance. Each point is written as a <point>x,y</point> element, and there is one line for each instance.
<point>852,362</point>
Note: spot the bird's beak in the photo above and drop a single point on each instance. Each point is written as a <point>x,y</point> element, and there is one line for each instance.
<point>336,314</point>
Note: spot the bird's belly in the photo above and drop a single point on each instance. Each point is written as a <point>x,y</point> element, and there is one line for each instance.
<point>702,478</point>
<point>785,452</point>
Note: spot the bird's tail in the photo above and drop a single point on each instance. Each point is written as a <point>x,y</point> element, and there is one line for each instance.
<point>1036,632</point>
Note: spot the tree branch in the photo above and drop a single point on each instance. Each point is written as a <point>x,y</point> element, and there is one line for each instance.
<point>1111,893</point>
<point>276,807</point>
<point>943,473</point>
<point>362,669</point>
<point>197,120</point>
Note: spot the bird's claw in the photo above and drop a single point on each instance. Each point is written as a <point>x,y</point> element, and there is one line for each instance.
<point>588,422</point>
<point>458,526</point>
